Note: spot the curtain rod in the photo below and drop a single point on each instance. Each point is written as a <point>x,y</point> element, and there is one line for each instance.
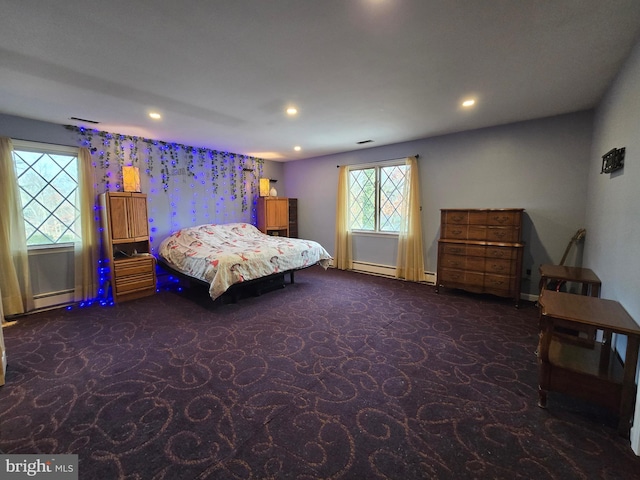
<point>386,160</point>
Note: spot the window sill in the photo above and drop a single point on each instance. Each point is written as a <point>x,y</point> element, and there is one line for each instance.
<point>364,233</point>
<point>59,247</point>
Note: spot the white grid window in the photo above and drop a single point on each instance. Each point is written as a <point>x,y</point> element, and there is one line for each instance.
<point>48,181</point>
<point>376,195</point>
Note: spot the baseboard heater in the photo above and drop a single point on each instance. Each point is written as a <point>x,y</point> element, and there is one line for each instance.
<point>386,271</point>
<point>53,300</point>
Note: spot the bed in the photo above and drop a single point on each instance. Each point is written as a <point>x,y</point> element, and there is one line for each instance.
<point>231,254</point>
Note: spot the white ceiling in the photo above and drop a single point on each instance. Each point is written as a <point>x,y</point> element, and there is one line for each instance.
<point>222,72</point>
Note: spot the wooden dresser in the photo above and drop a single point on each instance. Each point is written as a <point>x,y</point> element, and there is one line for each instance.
<point>480,250</point>
<point>126,242</point>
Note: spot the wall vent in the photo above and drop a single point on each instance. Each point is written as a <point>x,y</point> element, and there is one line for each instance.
<point>77,119</point>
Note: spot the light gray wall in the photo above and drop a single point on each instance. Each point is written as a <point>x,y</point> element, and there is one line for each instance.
<point>613,201</point>
<point>613,220</point>
<point>541,166</point>
<point>186,202</point>
<point>35,131</point>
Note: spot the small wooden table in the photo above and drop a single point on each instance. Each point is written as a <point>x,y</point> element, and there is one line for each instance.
<point>589,280</point>
<point>593,374</point>
<point>590,286</point>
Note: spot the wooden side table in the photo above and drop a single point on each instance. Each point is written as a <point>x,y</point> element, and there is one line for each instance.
<point>590,282</point>
<point>590,286</point>
<point>593,374</point>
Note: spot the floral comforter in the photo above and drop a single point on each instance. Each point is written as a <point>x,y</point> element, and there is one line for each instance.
<point>225,254</point>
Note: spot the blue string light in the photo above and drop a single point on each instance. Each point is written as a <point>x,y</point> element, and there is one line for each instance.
<point>210,171</point>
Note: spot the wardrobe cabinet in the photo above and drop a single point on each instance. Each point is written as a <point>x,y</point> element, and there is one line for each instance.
<point>125,239</point>
<point>273,216</point>
<point>480,250</point>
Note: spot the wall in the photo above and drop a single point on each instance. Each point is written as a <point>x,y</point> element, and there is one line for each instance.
<point>186,200</point>
<point>539,165</point>
<point>613,200</point>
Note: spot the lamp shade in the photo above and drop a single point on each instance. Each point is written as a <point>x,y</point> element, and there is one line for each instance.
<point>131,179</point>
<point>264,187</point>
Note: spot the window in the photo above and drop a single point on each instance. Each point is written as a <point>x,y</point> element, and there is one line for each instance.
<point>376,196</point>
<point>48,181</point>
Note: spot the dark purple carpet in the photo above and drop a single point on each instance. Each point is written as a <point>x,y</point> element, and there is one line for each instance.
<point>340,375</point>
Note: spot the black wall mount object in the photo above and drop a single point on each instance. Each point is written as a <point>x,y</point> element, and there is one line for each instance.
<point>613,160</point>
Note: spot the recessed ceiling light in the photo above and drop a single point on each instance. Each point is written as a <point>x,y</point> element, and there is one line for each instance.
<point>292,111</point>
<point>469,103</point>
<point>297,148</point>
<point>155,115</point>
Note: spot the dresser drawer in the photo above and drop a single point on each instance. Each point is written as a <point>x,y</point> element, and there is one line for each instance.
<point>455,217</point>
<point>453,249</point>
<point>477,217</point>
<point>479,264</point>
<point>499,284</point>
<point>455,278</point>
<point>135,282</point>
<point>476,250</point>
<point>509,253</point>
<point>454,261</point>
<point>503,217</point>
<point>488,251</point>
<point>133,266</point>
<point>502,234</point>
<point>500,266</point>
<point>455,232</point>
<point>134,274</point>
<point>491,234</point>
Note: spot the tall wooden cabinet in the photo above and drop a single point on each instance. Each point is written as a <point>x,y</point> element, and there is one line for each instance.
<point>480,250</point>
<point>126,242</point>
<point>274,216</point>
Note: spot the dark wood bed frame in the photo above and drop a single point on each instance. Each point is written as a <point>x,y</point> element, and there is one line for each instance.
<point>257,286</point>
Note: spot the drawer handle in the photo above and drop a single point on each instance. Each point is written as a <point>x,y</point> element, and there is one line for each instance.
<point>457,218</point>
<point>497,253</point>
<point>497,283</point>
<point>497,268</point>
<point>499,234</point>
<point>456,232</point>
<point>503,219</point>
<point>454,264</point>
<point>455,250</point>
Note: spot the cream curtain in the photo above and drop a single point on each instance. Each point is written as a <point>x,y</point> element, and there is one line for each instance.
<point>86,251</point>
<point>15,285</point>
<point>343,255</point>
<point>410,262</point>
<point>3,352</point>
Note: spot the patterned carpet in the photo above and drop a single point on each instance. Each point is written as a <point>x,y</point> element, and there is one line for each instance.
<point>339,375</point>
